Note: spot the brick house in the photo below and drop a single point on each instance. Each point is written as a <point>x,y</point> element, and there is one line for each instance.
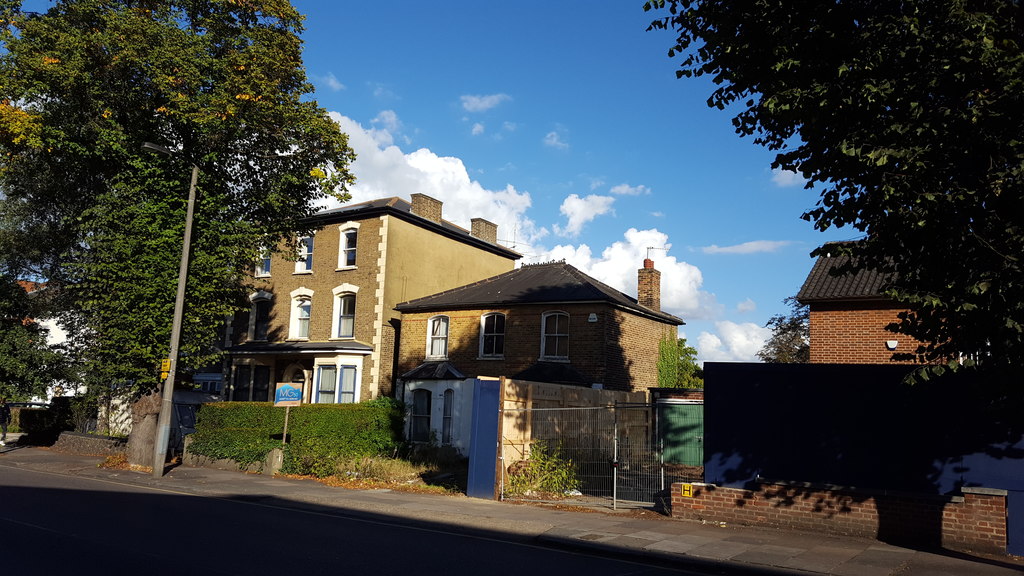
<point>327,321</point>
<point>542,323</point>
<point>848,316</point>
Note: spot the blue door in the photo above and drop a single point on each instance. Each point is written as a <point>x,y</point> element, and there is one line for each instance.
<point>1015,522</point>
<point>483,440</point>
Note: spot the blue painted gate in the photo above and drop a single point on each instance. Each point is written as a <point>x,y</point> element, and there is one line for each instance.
<point>483,440</point>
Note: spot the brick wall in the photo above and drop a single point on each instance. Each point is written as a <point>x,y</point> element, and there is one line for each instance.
<point>973,522</point>
<point>617,349</point>
<point>854,333</point>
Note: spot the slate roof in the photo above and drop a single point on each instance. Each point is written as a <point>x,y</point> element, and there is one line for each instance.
<point>823,284</point>
<point>443,370</point>
<point>403,209</point>
<point>548,283</point>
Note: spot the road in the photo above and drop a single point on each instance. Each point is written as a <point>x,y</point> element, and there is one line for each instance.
<point>60,524</point>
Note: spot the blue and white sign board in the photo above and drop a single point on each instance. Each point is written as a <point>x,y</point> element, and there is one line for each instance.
<point>287,394</point>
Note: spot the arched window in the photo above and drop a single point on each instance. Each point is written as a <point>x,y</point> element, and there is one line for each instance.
<point>492,335</point>
<point>343,324</point>
<point>420,416</point>
<point>446,424</point>
<point>259,315</point>
<point>301,313</point>
<point>554,344</point>
<point>437,337</point>
<point>347,244</point>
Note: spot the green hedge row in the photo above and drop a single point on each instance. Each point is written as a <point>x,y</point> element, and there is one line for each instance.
<point>319,435</point>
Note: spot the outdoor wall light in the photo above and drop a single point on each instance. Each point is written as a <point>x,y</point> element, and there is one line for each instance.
<point>891,344</point>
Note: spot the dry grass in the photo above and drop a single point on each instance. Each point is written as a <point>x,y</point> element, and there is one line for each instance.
<point>397,474</point>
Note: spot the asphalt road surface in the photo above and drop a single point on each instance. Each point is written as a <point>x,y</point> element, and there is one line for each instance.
<point>59,524</point>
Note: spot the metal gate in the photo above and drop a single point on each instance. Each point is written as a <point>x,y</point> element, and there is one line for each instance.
<point>606,453</point>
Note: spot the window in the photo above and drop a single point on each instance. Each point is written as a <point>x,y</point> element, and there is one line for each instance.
<point>330,389</point>
<point>252,384</point>
<point>420,417</point>
<point>446,424</point>
<point>555,336</point>
<point>347,244</point>
<point>305,262</point>
<point>492,335</point>
<point>263,265</point>
<point>344,323</point>
<point>437,337</point>
<point>259,315</point>
<point>261,319</point>
<point>302,312</point>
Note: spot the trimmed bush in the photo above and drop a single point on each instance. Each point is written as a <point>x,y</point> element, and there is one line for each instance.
<point>319,435</point>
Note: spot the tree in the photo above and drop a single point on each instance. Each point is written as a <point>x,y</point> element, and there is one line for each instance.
<point>677,365</point>
<point>28,364</point>
<point>790,341</point>
<point>907,117</point>
<point>85,208</point>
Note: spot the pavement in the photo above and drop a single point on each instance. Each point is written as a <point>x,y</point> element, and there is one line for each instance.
<point>627,532</point>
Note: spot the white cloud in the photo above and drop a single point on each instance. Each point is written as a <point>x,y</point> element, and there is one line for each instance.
<point>554,140</point>
<point>754,247</point>
<point>617,266</point>
<point>478,129</point>
<point>332,82</point>
<point>627,190</point>
<point>381,91</point>
<point>733,343</point>
<point>482,103</point>
<point>579,211</point>
<point>747,305</point>
<point>382,170</point>
<point>786,178</point>
<point>509,126</point>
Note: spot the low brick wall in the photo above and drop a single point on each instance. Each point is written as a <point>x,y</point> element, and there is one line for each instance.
<point>89,444</point>
<point>975,521</point>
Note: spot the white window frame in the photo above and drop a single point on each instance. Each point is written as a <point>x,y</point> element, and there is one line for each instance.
<point>304,264</point>
<point>264,264</point>
<point>339,293</point>
<point>447,419</point>
<point>544,355</point>
<point>431,338</point>
<point>484,334</point>
<point>299,296</point>
<point>344,248</point>
<point>351,365</point>
<point>255,298</point>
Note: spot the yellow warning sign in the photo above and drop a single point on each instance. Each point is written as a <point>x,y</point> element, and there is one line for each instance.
<point>687,491</point>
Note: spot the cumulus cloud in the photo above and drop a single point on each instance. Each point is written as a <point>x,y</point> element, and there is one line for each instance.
<point>383,170</point>
<point>617,266</point>
<point>579,211</point>
<point>786,178</point>
<point>554,140</point>
<point>733,342</point>
<point>478,129</point>
<point>627,190</point>
<point>754,247</point>
<point>482,103</point>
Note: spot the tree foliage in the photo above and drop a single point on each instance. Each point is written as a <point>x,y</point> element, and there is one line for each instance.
<point>218,82</point>
<point>790,342</point>
<point>27,362</point>
<point>677,365</point>
<point>907,117</point>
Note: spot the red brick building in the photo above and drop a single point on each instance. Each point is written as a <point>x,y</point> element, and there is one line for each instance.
<point>848,316</point>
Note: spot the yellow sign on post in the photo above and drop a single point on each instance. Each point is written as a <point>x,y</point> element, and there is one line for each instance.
<point>687,491</point>
<point>165,367</point>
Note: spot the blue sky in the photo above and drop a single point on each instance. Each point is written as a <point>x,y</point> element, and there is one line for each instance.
<point>564,123</point>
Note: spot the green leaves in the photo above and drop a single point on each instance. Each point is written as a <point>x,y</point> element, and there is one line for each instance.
<point>907,120</point>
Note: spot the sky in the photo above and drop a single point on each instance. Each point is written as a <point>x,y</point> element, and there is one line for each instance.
<point>564,123</point>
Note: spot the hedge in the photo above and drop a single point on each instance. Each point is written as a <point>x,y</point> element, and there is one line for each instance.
<point>319,435</point>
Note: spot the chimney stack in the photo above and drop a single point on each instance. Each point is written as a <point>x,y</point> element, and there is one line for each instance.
<point>484,230</point>
<point>426,207</point>
<point>648,286</point>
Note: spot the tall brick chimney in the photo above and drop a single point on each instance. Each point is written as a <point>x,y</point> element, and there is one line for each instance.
<point>426,207</point>
<point>484,230</point>
<point>648,286</point>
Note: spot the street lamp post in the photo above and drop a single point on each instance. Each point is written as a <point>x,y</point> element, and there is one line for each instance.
<point>163,425</point>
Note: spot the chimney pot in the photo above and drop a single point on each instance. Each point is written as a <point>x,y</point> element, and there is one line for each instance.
<point>648,286</point>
